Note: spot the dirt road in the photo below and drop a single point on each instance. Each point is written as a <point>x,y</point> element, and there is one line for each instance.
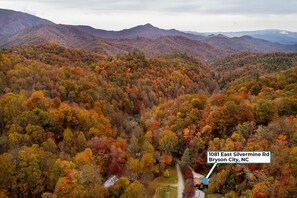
<point>180,183</point>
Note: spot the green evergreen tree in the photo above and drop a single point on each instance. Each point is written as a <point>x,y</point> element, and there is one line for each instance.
<point>81,142</point>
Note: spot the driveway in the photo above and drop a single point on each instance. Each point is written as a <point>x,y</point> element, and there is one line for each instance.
<point>180,183</point>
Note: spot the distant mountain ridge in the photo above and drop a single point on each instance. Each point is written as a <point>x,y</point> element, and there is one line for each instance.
<point>275,36</point>
<point>147,31</point>
<point>69,36</point>
<point>25,29</point>
<point>13,21</point>
<point>248,43</point>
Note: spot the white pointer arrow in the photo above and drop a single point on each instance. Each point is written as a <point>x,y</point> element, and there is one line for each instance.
<point>205,179</point>
<point>209,173</point>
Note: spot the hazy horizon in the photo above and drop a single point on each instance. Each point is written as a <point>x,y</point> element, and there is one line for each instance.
<point>198,15</point>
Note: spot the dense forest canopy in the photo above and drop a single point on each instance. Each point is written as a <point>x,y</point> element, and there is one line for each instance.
<point>70,118</point>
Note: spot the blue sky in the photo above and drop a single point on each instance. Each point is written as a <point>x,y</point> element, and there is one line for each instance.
<point>190,15</point>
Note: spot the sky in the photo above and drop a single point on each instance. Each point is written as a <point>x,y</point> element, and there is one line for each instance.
<point>186,15</point>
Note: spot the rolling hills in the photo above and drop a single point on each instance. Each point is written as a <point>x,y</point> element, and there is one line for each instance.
<point>23,29</point>
<point>71,118</point>
<point>248,43</point>
<point>80,105</point>
<point>275,36</point>
<point>244,65</point>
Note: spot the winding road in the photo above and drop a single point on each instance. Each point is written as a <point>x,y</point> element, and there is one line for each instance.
<point>180,183</point>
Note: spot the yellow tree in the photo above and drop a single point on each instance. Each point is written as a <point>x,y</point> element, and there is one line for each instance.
<point>30,181</point>
<point>135,190</point>
<point>81,141</point>
<point>8,179</point>
<point>168,141</point>
<point>66,185</point>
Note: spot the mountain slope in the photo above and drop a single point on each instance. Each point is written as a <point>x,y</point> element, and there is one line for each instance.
<point>153,47</point>
<point>64,35</point>
<point>147,31</point>
<point>12,21</point>
<point>28,30</point>
<point>70,36</point>
<point>59,34</point>
<point>210,49</point>
<point>248,43</point>
<point>275,36</point>
<point>283,37</point>
<point>251,65</point>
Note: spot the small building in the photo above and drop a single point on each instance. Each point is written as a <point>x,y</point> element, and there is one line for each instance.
<point>198,181</point>
<point>199,194</point>
<point>111,181</point>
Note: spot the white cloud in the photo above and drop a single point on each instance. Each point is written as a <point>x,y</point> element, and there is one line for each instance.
<point>196,15</point>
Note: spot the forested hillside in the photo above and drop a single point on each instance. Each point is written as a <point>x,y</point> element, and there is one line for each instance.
<point>245,65</point>
<point>13,21</point>
<point>69,119</point>
<point>73,117</point>
<point>257,114</point>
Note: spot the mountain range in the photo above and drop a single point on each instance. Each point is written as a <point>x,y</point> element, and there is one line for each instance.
<point>147,31</point>
<point>277,36</point>
<point>19,28</point>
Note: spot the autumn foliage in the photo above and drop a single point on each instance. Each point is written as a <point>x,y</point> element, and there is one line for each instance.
<point>70,119</point>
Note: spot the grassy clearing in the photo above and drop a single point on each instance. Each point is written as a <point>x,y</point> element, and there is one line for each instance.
<point>172,179</point>
<point>166,192</point>
<point>214,195</point>
<point>166,187</point>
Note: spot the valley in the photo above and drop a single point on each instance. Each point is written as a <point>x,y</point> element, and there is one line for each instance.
<point>79,105</point>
